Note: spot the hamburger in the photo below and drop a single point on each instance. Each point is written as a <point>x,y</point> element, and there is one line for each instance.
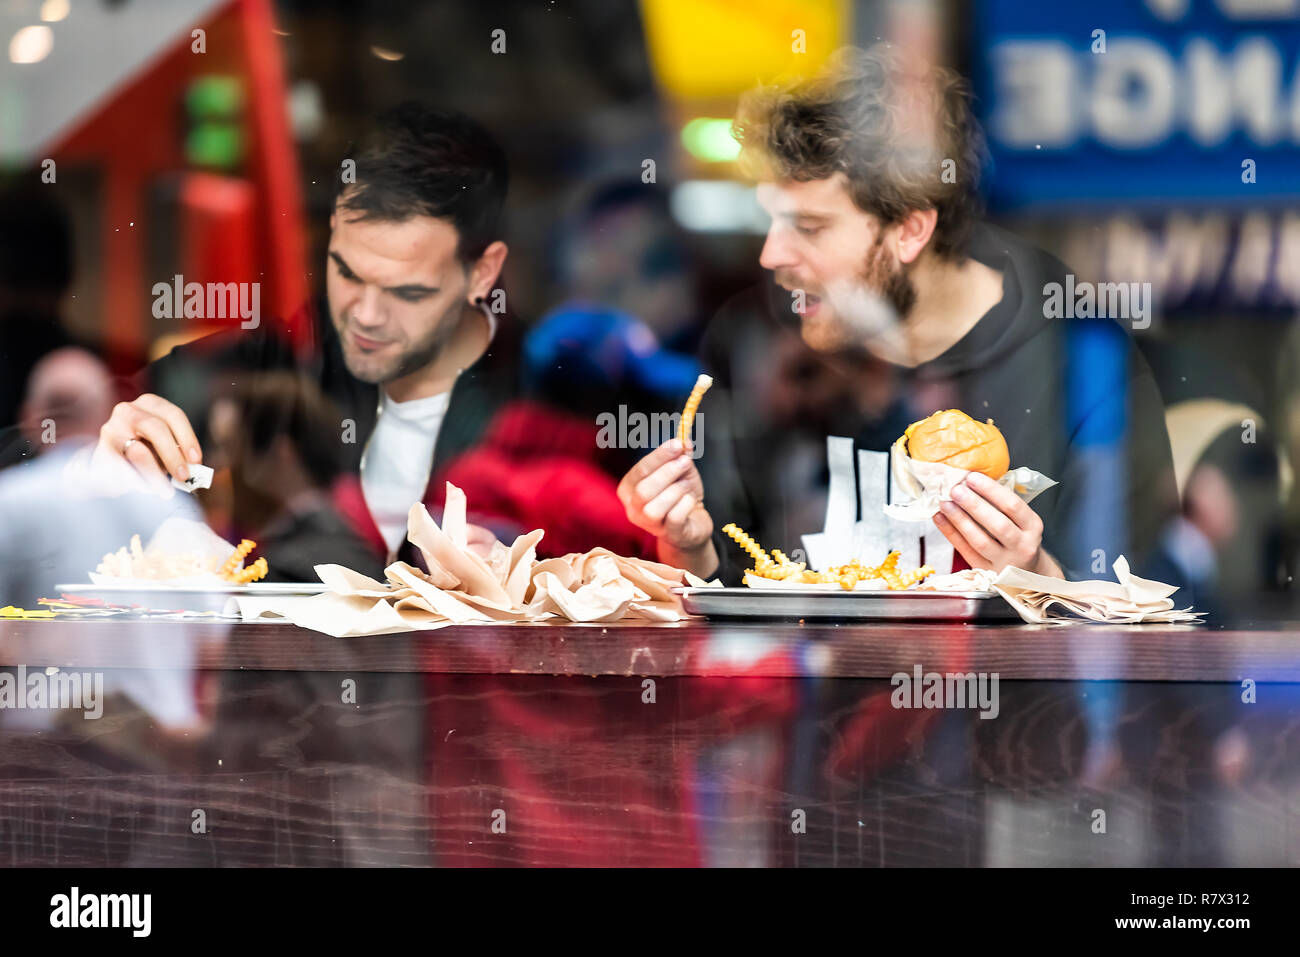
<point>952,437</point>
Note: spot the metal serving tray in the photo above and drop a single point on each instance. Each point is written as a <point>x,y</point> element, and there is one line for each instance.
<point>800,603</point>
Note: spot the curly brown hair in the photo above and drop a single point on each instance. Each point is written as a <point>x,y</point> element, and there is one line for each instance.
<point>888,125</point>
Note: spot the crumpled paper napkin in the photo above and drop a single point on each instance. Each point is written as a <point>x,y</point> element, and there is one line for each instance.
<point>461,587</point>
<point>1042,599</point>
<point>924,485</point>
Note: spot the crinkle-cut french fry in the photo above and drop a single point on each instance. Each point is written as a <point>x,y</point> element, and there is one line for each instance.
<point>847,576</point>
<point>230,567</point>
<point>737,534</point>
<point>254,572</point>
<point>692,406</point>
<point>135,562</point>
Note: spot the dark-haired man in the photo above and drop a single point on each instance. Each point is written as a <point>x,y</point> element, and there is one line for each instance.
<point>405,345</point>
<point>889,301</point>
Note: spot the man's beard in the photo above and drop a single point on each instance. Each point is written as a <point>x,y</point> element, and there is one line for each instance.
<point>868,308</point>
<point>890,280</point>
<point>412,359</point>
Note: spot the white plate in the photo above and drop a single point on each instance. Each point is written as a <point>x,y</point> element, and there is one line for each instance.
<point>265,589</point>
<point>161,596</point>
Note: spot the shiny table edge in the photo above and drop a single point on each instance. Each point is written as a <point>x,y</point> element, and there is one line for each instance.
<point>695,647</point>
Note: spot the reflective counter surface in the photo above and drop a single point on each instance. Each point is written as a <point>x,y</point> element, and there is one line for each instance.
<point>690,744</point>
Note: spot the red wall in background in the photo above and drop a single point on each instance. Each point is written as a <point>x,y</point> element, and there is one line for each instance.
<point>136,137</point>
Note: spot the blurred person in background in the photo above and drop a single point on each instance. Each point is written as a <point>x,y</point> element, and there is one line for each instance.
<point>541,463</point>
<point>35,274</point>
<point>1226,545</point>
<point>404,343</point>
<point>1190,544</point>
<point>1230,458</point>
<point>53,526</point>
<point>628,331</point>
<point>279,437</point>
<point>69,396</point>
<point>870,173</point>
<point>626,251</point>
<point>1287,416</point>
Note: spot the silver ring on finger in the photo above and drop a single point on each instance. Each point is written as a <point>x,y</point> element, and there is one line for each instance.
<point>126,446</point>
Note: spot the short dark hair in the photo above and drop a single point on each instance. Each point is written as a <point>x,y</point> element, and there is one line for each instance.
<point>419,161</point>
<point>888,125</point>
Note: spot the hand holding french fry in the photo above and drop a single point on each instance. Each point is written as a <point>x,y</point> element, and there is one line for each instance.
<point>664,495</point>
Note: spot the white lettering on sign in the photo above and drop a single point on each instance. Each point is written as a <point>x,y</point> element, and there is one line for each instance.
<point>1190,257</point>
<point>1050,95</point>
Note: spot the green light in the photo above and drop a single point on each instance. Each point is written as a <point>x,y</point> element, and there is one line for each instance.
<point>710,139</point>
<point>219,145</point>
<point>214,96</point>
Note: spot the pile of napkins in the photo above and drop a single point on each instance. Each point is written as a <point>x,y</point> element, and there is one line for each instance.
<point>1128,600</point>
<point>462,587</point>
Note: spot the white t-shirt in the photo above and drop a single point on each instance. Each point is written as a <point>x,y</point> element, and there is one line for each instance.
<point>395,471</point>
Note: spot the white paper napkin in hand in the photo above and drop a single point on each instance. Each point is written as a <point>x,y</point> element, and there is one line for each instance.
<point>1041,599</point>
<point>925,485</point>
<point>461,587</point>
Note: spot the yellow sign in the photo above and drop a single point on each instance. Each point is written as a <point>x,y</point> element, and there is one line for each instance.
<point>717,49</point>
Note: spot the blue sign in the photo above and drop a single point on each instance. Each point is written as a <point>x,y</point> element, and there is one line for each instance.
<point>1139,104</point>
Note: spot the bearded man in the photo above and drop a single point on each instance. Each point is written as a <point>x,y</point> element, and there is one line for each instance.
<point>887,299</point>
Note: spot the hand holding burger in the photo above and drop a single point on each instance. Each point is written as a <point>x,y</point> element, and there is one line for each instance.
<point>989,524</point>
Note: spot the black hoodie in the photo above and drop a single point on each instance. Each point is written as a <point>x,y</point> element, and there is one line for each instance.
<point>1074,399</point>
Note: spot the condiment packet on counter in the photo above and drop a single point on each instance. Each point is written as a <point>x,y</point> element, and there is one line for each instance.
<point>1042,599</point>
<point>462,587</point>
<point>923,486</point>
<point>200,477</point>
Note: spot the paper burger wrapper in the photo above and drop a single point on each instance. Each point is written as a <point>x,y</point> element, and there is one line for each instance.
<point>923,486</point>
